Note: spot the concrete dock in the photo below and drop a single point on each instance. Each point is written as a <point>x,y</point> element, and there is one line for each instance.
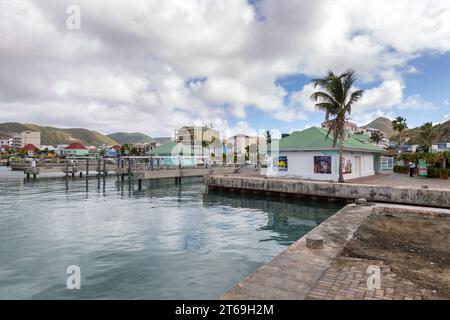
<point>425,196</point>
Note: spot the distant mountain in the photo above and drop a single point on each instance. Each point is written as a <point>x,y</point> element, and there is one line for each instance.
<point>163,140</point>
<point>55,136</point>
<point>130,138</point>
<point>383,124</point>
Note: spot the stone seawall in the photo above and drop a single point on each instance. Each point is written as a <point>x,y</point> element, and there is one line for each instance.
<point>349,191</point>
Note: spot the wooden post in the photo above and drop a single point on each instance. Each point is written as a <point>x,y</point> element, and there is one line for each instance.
<point>98,166</point>
<point>140,184</point>
<point>34,176</point>
<point>87,167</point>
<point>151,163</point>
<point>81,174</point>
<point>28,176</point>
<point>129,168</point>
<point>67,166</point>
<point>105,172</point>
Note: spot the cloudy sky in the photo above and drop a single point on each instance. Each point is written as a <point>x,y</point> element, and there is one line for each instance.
<point>152,66</point>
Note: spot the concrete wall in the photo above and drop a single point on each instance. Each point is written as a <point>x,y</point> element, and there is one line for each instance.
<point>301,164</point>
<point>414,196</point>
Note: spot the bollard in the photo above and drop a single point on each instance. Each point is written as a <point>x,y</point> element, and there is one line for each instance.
<point>314,241</point>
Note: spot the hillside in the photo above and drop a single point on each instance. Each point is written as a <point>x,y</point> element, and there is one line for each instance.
<point>442,132</point>
<point>130,138</point>
<point>55,136</point>
<point>163,140</point>
<point>383,124</point>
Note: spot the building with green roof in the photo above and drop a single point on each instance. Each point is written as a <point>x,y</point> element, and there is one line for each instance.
<point>309,154</point>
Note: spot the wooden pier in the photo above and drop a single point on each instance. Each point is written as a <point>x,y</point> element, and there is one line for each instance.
<point>135,169</point>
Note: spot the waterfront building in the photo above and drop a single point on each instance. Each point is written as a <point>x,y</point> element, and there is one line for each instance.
<point>245,148</point>
<point>143,148</point>
<point>309,154</point>
<point>30,149</point>
<point>438,147</point>
<point>349,126</point>
<point>200,140</point>
<point>113,151</point>
<point>75,149</point>
<point>24,138</point>
<point>6,143</point>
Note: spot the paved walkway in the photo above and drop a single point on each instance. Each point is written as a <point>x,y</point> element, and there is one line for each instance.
<point>397,179</point>
<point>346,279</point>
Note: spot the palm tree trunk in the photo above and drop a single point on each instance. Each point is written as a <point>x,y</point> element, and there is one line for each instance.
<point>341,150</point>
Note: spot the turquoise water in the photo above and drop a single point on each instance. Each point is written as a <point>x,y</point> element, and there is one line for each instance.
<point>164,242</point>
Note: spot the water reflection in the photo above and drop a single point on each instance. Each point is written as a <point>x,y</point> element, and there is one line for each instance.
<point>160,242</point>
<point>288,218</point>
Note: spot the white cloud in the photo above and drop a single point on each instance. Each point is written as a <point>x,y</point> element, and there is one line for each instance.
<point>129,65</point>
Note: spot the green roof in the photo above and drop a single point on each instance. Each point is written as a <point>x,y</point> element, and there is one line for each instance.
<point>363,137</point>
<point>164,149</point>
<point>316,138</point>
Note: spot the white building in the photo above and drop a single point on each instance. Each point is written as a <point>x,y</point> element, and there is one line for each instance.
<point>6,142</point>
<point>22,139</point>
<point>309,154</point>
<point>201,140</point>
<point>440,146</point>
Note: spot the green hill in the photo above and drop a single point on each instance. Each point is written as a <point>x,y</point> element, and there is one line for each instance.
<point>442,134</point>
<point>130,138</point>
<point>55,136</point>
<point>383,124</point>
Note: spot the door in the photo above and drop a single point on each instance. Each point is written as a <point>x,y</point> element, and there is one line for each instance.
<point>357,166</point>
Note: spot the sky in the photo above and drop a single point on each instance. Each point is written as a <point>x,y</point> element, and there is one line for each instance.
<point>238,65</point>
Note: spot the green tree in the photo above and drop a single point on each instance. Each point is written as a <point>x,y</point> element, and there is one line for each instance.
<point>426,135</point>
<point>376,137</point>
<point>399,124</point>
<point>134,151</point>
<point>336,100</point>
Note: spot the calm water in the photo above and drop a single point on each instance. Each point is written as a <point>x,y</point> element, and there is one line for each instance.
<point>164,242</point>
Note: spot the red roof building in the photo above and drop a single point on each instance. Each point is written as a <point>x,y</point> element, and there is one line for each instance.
<point>116,147</point>
<point>76,146</point>
<point>30,148</point>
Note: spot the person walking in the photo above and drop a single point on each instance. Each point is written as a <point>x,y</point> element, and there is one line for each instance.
<point>411,166</point>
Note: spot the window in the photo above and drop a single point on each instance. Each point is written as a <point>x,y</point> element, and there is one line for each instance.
<point>387,163</point>
<point>322,164</point>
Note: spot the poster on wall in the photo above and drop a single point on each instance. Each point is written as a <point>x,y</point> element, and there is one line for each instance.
<point>322,164</point>
<point>423,170</point>
<point>346,165</point>
<point>282,164</point>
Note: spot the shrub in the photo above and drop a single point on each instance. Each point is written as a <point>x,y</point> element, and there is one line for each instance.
<point>433,173</point>
<point>400,169</point>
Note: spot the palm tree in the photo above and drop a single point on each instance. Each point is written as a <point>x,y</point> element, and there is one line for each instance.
<point>336,100</point>
<point>376,137</point>
<point>426,135</point>
<point>399,124</point>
